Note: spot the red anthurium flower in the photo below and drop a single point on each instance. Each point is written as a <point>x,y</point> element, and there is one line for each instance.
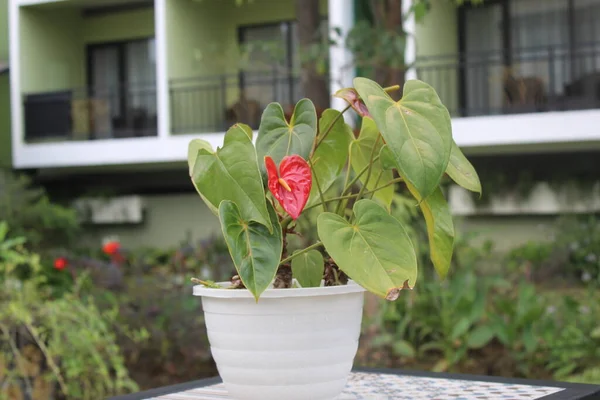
<point>291,186</point>
<point>111,248</point>
<point>60,263</point>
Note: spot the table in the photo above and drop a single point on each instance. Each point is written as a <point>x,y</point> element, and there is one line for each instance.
<point>365,384</point>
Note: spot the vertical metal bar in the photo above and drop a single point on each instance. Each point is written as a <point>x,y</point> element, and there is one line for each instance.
<point>461,64</point>
<point>572,43</point>
<point>290,63</point>
<point>551,78</point>
<point>275,80</point>
<point>223,99</point>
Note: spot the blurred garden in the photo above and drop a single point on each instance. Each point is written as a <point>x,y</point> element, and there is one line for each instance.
<point>80,322</point>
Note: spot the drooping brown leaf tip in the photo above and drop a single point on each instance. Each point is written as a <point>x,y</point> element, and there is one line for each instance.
<point>394,293</point>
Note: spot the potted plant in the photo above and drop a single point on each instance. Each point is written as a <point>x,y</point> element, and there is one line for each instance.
<point>287,325</point>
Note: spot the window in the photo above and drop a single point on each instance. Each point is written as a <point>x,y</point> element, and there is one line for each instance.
<point>122,88</point>
<point>530,55</point>
<point>272,62</point>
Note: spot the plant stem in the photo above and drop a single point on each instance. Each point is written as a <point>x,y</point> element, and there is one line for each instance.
<point>318,141</point>
<point>285,222</point>
<point>391,88</point>
<point>296,254</point>
<point>376,183</point>
<point>357,177</point>
<point>339,206</point>
<point>321,197</point>
<point>350,196</point>
<point>393,181</point>
<point>366,182</point>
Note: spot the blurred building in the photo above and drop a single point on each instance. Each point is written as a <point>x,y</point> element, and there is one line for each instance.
<point>106,94</point>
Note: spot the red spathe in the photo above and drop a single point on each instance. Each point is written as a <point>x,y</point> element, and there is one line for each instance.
<point>291,185</point>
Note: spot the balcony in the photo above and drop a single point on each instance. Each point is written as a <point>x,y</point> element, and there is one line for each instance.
<point>124,111</point>
<point>214,103</point>
<point>526,80</point>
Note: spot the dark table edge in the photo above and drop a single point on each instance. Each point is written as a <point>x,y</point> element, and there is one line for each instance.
<point>573,391</point>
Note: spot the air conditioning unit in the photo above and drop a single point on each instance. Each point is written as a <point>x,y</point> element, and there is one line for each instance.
<point>115,210</point>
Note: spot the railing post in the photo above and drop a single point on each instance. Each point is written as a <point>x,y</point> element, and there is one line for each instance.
<point>275,81</point>
<point>224,99</point>
<point>551,73</point>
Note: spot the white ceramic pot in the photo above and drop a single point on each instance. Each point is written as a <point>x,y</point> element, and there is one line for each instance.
<point>293,344</point>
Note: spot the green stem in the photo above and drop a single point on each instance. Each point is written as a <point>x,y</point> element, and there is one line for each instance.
<point>296,254</point>
<point>285,223</point>
<point>364,186</point>
<point>351,196</point>
<point>357,177</point>
<point>392,88</point>
<point>392,182</point>
<point>376,183</point>
<point>318,140</point>
<point>339,206</point>
<point>321,197</point>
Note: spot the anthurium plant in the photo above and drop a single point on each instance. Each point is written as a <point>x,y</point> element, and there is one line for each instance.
<point>258,191</point>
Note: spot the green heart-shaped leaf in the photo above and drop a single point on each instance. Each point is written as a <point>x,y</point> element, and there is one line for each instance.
<point>230,173</point>
<point>440,229</point>
<point>277,138</point>
<point>308,268</point>
<point>193,148</point>
<point>255,251</point>
<point>462,171</point>
<point>330,157</point>
<point>416,129</point>
<point>375,251</point>
<point>361,150</point>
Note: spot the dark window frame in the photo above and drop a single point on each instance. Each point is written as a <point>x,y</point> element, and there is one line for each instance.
<point>241,29</point>
<point>122,65</point>
<point>506,40</point>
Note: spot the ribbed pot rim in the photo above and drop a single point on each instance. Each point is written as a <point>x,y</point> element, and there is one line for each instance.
<point>351,287</point>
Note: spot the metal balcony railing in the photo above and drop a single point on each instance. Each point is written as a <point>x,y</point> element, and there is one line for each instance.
<point>214,103</point>
<point>555,78</point>
<point>91,113</point>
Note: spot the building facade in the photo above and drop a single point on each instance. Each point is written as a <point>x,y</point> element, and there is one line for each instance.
<point>106,94</point>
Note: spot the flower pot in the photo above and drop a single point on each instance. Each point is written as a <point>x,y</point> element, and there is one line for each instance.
<point>292,344</point>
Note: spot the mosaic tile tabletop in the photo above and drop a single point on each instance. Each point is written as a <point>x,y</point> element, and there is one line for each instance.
<point>369,386</point>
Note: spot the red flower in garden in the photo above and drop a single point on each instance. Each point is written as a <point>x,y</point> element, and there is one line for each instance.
<point>291,185</point>
<point>60,263</point>
<point>111,248</point>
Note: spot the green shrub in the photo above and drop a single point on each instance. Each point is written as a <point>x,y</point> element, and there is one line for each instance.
<point>487,321</point>
<point>579,238</point>
<point>31,215</point>
<point>65,344</point>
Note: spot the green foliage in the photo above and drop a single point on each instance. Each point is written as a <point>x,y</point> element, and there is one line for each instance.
<point>70,334</point>
<point>419,117</point>
<point>440,228</point>
<point>461,171</point>
<point>331,155</point>
<point>362,153</point>
<point>31,215</point>
<point>308,268</point>
<point>411,137</point>
<point>255,251</point>
<point>375,250</point>
<point>278,138</point>
<point>574,254</point>
<point>490,322</point>
<point>579,240</point>
<point>530,258</point>
<point>230,173</point>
